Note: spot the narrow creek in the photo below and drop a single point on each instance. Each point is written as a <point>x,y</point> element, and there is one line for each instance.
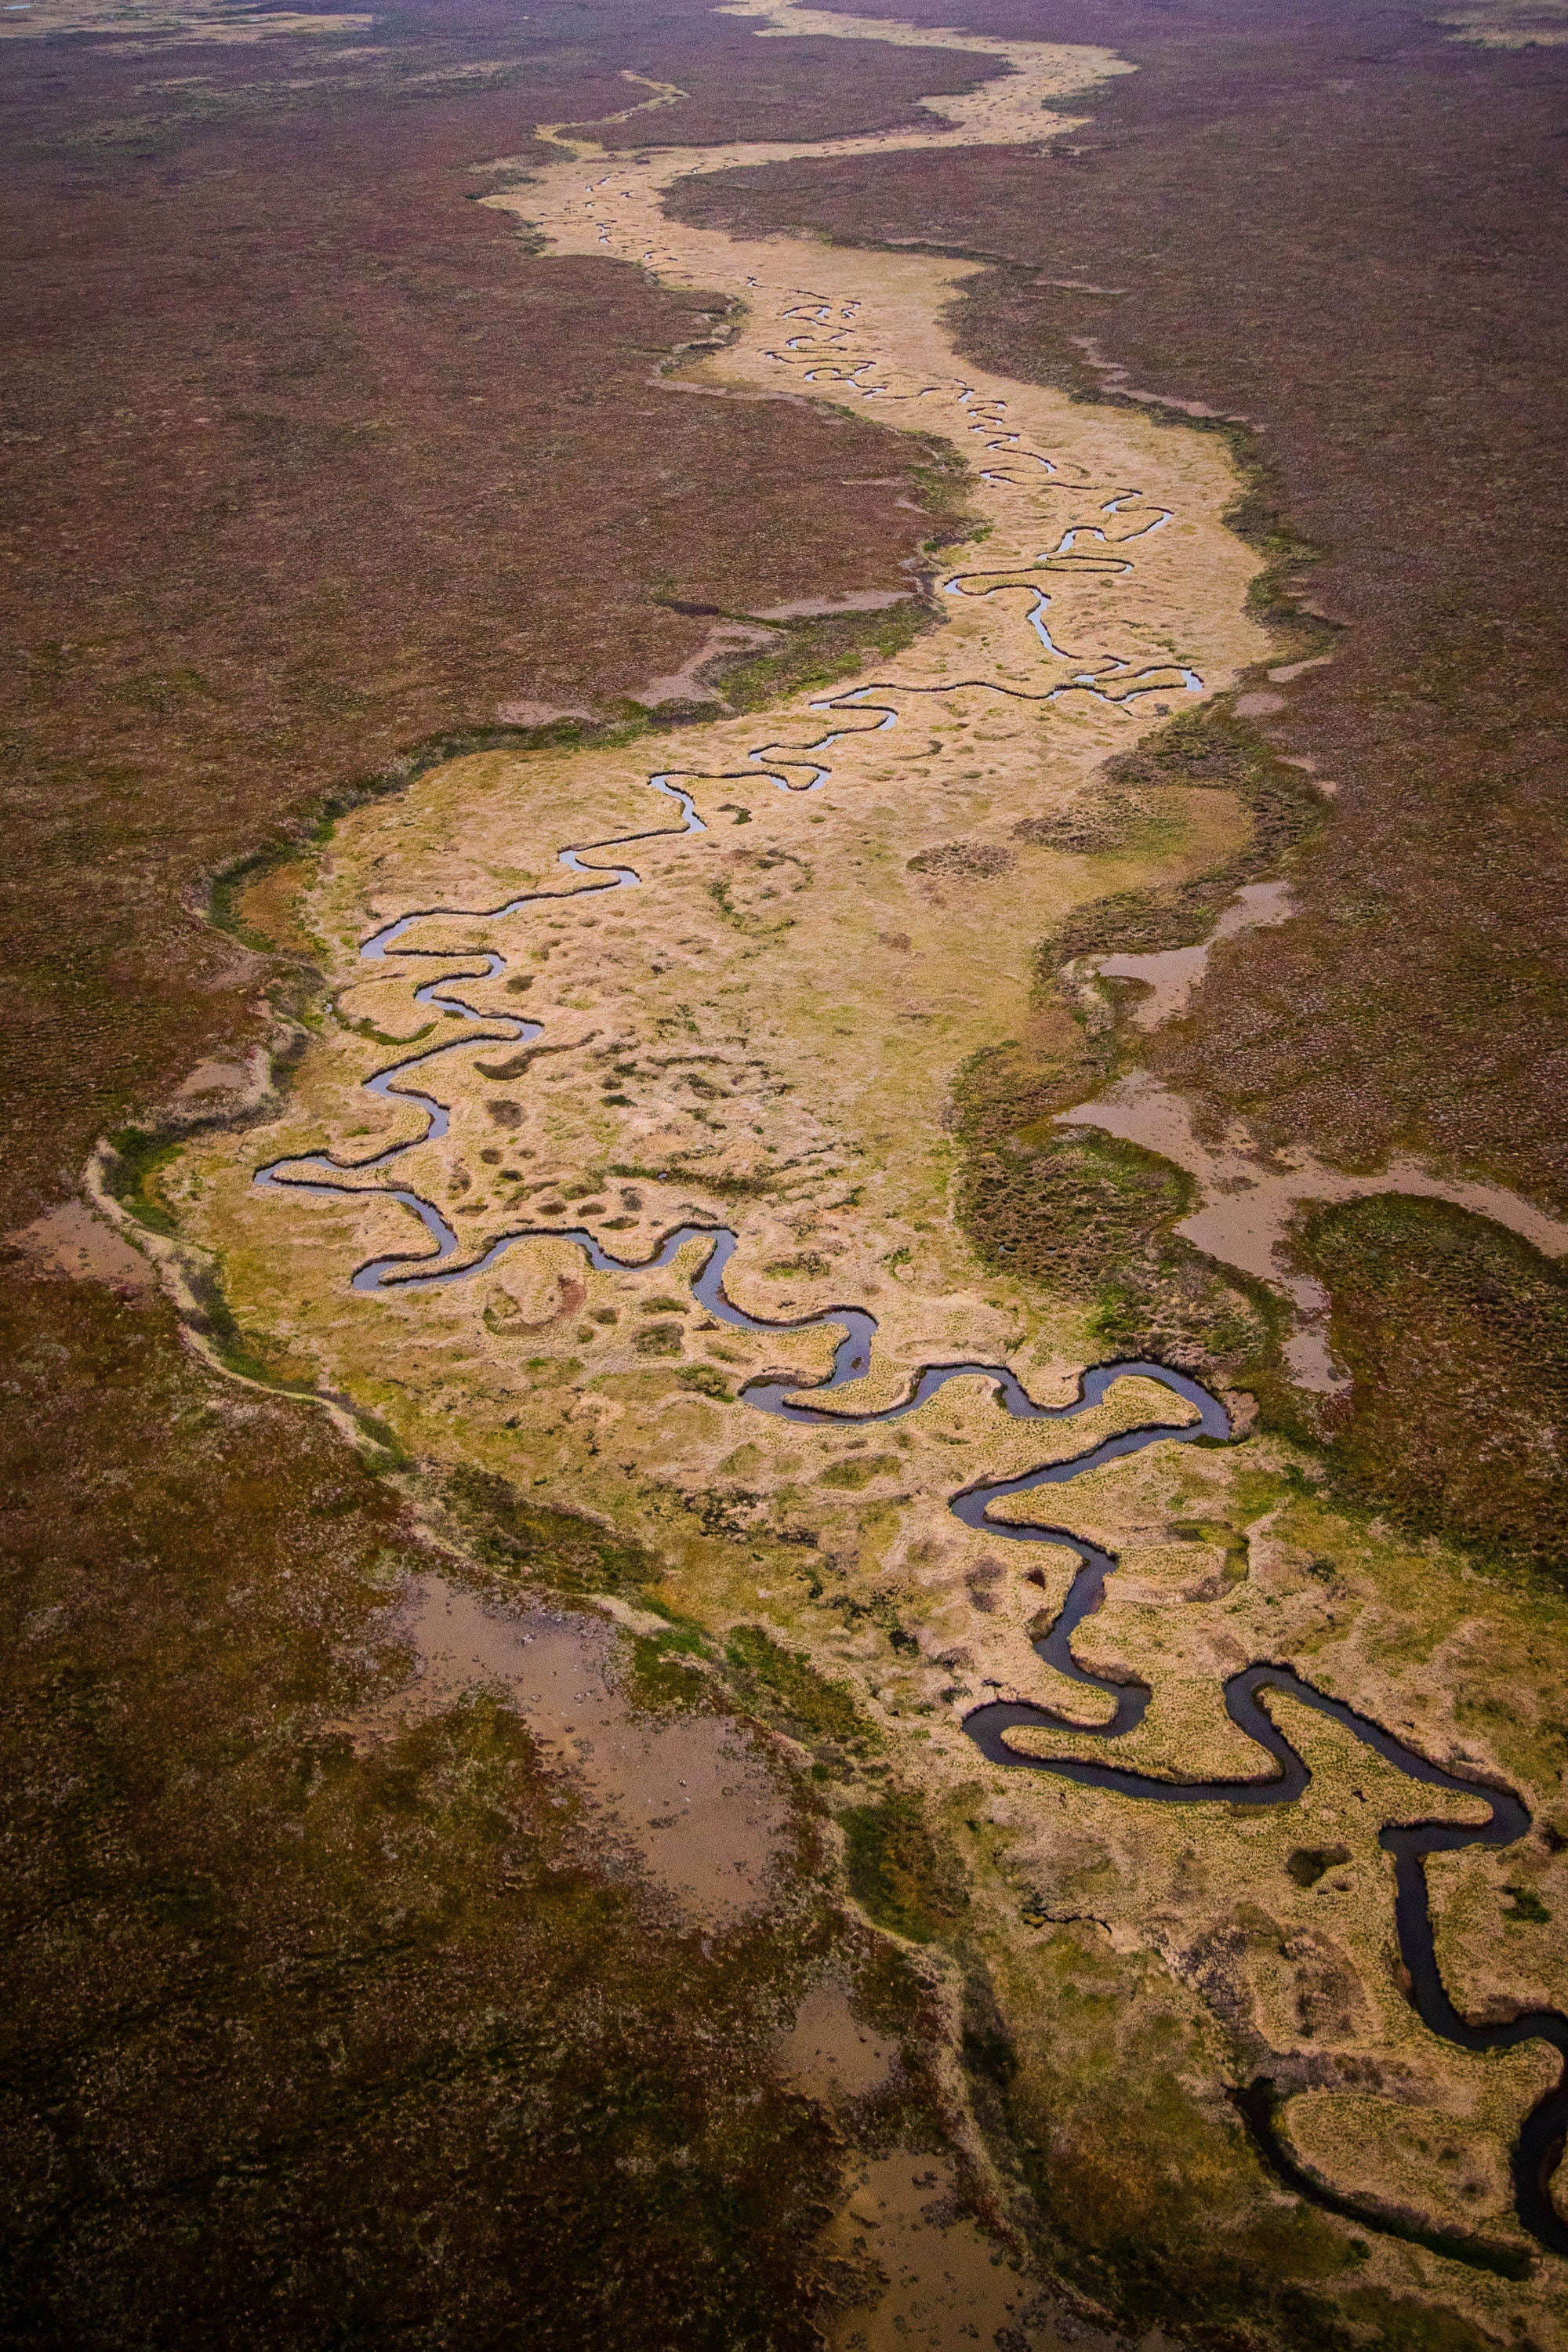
<point>824,349</point>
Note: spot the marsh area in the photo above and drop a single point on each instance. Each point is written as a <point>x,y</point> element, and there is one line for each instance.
<point>892,1656</point>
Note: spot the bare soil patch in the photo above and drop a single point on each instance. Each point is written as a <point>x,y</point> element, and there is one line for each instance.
<point>73,1244</point>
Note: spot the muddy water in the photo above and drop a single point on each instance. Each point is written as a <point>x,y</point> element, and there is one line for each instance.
<point>72,1242</point>
<point>946,2284</point>
<point>827,2052</point>
<point>1247,1203</point>
<point>1171,975</point>
<point>701,1817</point>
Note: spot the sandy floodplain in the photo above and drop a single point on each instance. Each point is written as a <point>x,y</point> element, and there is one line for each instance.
<point>762,1023</point>
<point>725,976</point>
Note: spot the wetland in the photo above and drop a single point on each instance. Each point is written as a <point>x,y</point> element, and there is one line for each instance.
<point>710,1165</point>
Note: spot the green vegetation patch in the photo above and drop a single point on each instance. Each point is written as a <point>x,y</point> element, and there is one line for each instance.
<point>551,1547</point>
<point>755,927</point>
<point>1071,1208</point>
<point>1215,750</point>
<point>663,1676</point>
<point>903,1875</point>
<point>786,1690</point>
<point>819,652</point>
<point>1307,1863</point>
<point>1455,1335</point>
<point>1086,1213</point>
<point>231,887</point>
<point>725,1188</point>
<point>138,1157</point>
<point>860,1469</point>
<point>659,1339</point>
<point>1400,2323</point>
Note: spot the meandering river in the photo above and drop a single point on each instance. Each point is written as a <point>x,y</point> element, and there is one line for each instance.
<point>865,329</point>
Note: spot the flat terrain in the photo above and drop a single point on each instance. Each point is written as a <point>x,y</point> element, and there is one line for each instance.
<point>700,628</point>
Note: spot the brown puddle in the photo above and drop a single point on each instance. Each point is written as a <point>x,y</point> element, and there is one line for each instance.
<point>1249,1202</point>
<point>828,2054</point>
<point>1174,973</point>
<point>703,1818</point>
<point>946,2282</point>
<point>69,1241</point>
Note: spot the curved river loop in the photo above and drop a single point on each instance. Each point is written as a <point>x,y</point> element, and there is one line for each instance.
<point>1084,532</point>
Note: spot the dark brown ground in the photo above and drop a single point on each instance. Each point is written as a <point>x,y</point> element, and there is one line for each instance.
<point>1455,1333</point>
<point>312,2048</point>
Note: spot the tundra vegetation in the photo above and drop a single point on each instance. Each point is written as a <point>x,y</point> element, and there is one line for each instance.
<point>349,1988</point>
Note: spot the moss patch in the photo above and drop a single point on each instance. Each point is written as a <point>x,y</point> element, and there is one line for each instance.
<point>1084,1213</point>
<point>900,1873</point>
<point>1071,1209</point>
<point>133,1172</point>
<point>550,1547</point>
<point>786,1690</point>
<point>1215,749</point>
<point>860,1469</point>
<point>1456,1333</point>
<point>819,652</point>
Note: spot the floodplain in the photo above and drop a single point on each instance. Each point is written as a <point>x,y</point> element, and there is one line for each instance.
<point>734,993</point>
<point>653,1116</point>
